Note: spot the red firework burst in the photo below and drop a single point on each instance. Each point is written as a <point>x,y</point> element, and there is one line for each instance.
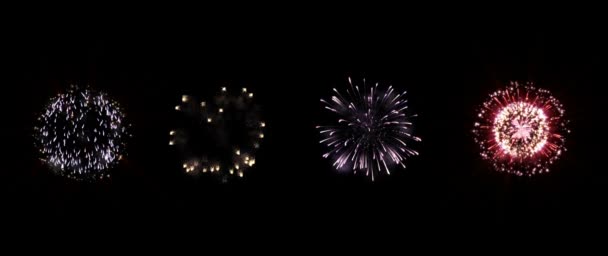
<point>521,129</point>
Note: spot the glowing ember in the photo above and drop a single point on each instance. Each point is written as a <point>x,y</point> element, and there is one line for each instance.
<point>221,135</point>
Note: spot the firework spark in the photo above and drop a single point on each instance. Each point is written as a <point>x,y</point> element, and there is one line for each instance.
<point>81,134</point>
<point>521,129</point>
<point>219,136</point>
<point>372,131</point>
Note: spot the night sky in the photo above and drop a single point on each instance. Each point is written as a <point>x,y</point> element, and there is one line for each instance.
<point>448,70</point>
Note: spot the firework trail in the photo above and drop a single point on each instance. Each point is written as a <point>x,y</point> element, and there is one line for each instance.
<point>220,136</point>
<point>81,134</point>
<point>521,129</point>
<point>372,131</point>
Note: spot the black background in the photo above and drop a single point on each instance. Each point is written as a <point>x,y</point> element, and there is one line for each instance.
<point>290,62</point>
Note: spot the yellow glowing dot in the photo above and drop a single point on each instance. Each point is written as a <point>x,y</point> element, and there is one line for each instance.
<point>171,143</point>
<point>261,135</point>
<point>203,104</point>
<point>217,168</point>
<point>241,174</point>
<point>231,171</point>
<point>244,89</point>
<point>172,133</point>
<point>246,162</point>
<point>185,165</point>
<point>204,169</point>
<point>208,120</point>
<point>236,166</point>
<point>221,110</point>
<point>238,152</point>
<point>178,108</point>
<point>223,89</point>
<point>262,124</point>
<point>246,158</point>
<point>250,95</point>
<point>185,98</point>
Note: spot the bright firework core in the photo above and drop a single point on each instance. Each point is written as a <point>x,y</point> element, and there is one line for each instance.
<point>521,129</point>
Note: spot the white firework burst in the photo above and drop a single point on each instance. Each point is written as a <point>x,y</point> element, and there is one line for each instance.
<point>372,130</point>
<point>81,134</point>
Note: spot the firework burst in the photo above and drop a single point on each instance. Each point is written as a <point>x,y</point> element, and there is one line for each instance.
<point>372,130</point>
<point>81,134</point>
<point>521,129</point>
<point>219,136</point>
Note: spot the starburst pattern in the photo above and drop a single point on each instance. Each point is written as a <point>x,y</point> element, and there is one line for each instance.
<point>521,129</point>
<point>81,134</point>
<point>372,130</point>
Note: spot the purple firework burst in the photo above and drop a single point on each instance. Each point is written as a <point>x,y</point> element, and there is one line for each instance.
<point>372,131</point>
